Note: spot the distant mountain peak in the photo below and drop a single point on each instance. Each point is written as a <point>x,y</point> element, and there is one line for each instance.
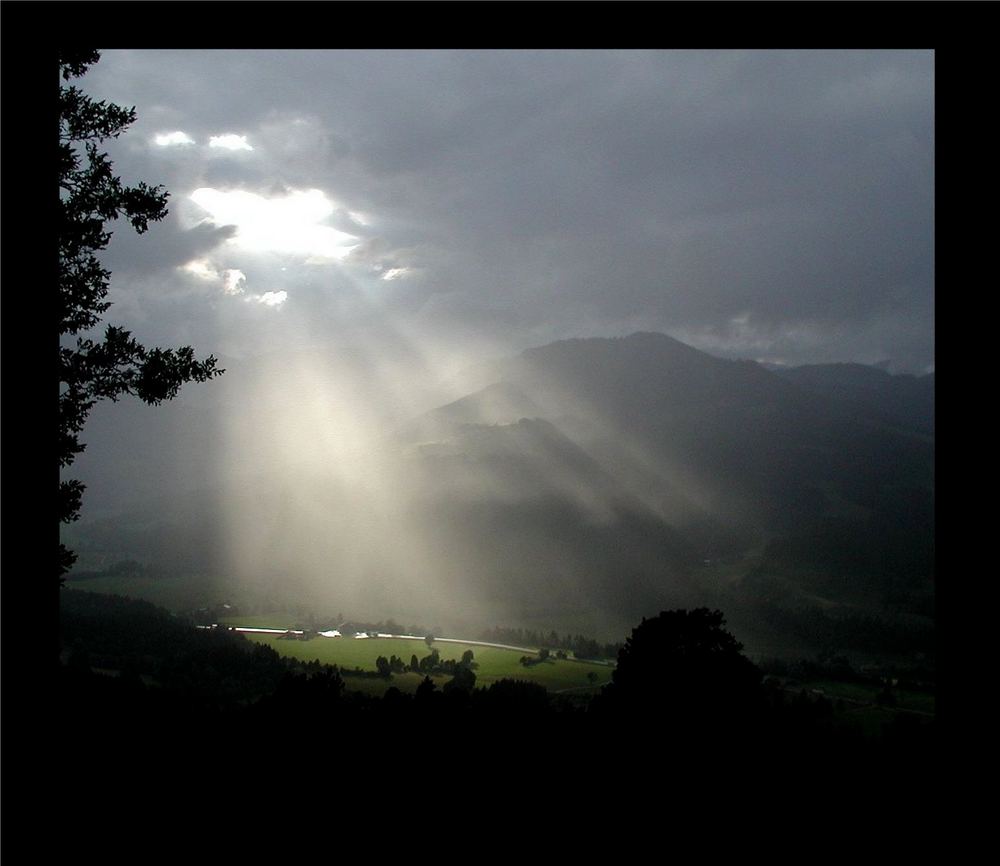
<point>639,339</point>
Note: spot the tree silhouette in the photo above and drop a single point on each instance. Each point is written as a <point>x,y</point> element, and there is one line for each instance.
<point>463,680</point>
<point>91,369</point>
<point>684,666</point>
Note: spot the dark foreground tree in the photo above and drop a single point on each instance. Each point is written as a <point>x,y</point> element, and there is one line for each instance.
<point>93,368</point>
<point>682,667</point>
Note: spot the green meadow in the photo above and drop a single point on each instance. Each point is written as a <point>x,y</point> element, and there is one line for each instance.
<point>492,664</point>
<point>868,693</point>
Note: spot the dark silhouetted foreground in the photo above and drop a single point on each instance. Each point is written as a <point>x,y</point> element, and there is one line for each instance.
<point>134,678</point>
<point>90,197</point>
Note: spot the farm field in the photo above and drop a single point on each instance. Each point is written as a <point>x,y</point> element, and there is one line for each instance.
<point>905,699</point>
<point>870,720</point>
<point>492,663</point>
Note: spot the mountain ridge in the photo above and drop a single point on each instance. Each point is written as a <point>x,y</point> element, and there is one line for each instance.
<point>603,477</point>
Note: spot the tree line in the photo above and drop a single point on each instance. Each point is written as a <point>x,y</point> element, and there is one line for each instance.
<point>582,647</point>
<point>679,675</point>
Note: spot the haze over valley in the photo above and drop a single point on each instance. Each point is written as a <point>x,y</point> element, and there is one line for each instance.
<point>583,485</point>
<point>563,409</point>
<point>535,339</point>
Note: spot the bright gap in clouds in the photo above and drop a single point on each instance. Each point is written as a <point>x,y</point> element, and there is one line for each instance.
<point>271,299</point>
<point>395,273</point>
<point>167,139</point>
<point>230,142</point>
<point>288,224</point>
<point>232,281</point>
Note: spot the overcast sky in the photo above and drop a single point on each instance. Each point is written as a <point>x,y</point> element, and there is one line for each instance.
<point>757,204</point>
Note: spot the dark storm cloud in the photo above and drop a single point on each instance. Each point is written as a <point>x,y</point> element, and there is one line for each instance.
<point>169,246</point>
<point>769,204</point>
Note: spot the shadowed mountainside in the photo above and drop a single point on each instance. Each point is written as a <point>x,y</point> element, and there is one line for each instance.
<point>604,478</point>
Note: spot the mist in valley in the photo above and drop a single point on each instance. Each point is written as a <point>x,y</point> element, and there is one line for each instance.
<point>587,337</point>
<point>591,483</point>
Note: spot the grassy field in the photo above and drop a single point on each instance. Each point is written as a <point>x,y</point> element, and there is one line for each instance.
<point>868,692</point>
<point>870,720</point>
<point>493,663</point>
